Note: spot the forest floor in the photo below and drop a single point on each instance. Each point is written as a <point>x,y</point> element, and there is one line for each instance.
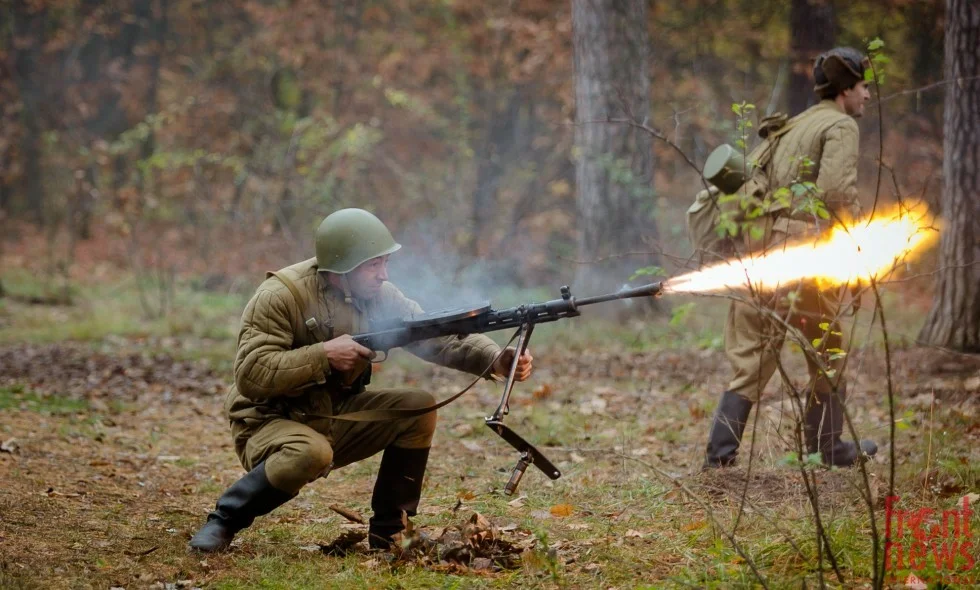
<point>113,448</point>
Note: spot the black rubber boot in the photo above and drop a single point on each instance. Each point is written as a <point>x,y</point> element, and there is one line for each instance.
<point>726,430</point>
<point>397,489</point>
<point>824,424</point>
<point>235,510</point>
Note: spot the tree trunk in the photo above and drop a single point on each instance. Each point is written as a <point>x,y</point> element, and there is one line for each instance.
<point>926,35</point>
<point>811,27</point>
<point>954,321</point>
<point>498,142</point>
<point>614,162</point>
<point>29,27</point>
<point>158,35</point>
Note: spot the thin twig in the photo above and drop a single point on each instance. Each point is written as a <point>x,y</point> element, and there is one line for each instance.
<point>880,579</point>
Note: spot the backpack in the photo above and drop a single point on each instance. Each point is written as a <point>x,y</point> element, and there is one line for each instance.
<point>714,219</point>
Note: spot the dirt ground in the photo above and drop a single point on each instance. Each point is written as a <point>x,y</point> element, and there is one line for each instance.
<point>112,457</point>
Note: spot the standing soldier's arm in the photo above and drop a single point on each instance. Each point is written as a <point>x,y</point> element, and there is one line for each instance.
<point>837,175</point>
<point>266,364</point>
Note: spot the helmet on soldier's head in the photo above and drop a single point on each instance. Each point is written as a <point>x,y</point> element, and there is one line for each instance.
<point>837,70</point>
<point>348,238</point>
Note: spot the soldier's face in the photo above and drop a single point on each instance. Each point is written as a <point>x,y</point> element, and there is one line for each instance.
<point>855,99</point>
<point>366,280</point>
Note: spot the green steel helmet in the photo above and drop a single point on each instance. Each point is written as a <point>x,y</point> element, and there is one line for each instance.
<point>837,70</point>
<point>350,237</point>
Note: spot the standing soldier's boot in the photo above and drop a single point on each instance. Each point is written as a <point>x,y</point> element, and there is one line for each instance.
<point>824,424</point>
<point>397,489</point>
<point>726,430</point>
<point>247,498</point>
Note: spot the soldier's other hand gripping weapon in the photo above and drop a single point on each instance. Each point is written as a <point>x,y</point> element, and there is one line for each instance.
<point>483,318</point>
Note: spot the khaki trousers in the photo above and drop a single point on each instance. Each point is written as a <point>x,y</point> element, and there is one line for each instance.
<point>296,454</point>
<point>753,339</point>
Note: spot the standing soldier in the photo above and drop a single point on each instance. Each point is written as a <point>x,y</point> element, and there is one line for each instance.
<point>820,146</point>
<point>297,365</point>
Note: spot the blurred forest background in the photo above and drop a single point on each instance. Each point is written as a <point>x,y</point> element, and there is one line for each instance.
<point>158,156</point>
<point>190,138</point>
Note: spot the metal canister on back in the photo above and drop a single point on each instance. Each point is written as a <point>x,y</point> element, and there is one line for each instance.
<point>726,169</point>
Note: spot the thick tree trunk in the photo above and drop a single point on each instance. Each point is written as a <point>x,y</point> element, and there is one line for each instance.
<point>614,162</point>
<point>29,26</point>
<point>812,31</point>
<point>954,321</point>
<point>926,34</point>
<point>498,142</point>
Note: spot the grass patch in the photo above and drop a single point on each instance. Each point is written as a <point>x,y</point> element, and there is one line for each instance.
<point>18,398</point>
<point>101,310</point>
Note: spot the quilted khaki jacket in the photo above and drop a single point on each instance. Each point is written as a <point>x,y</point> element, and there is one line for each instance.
<point>829,138</point>
<point>281,369</point>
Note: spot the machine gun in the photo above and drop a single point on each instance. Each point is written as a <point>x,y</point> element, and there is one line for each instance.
<point>483,318</point>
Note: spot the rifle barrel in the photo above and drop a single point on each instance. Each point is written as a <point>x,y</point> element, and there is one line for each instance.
<point>650,290</point>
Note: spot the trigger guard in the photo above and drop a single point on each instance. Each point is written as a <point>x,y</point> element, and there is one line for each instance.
<point>382,359</point>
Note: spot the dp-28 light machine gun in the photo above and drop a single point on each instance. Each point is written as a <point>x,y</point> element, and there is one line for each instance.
<point>483,318</point>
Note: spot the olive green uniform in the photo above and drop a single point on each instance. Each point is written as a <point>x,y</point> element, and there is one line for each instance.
<point>284,387</point>
<point>828,137</point>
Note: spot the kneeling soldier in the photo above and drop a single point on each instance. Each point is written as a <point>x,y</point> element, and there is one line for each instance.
<point>297,365</point>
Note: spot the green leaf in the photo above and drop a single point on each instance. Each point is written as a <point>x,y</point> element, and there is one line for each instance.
<point>756,232</point>
<point>816,342</point>
<point>790,459</point>
<point>680,313</point>
<point>648,271</point>
<point>726,227</point>
<point>824,326</point>
<point>875,44</point>
<point>822,213</point>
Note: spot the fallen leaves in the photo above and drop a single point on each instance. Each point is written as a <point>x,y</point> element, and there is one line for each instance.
<point>9,446</point>
<point>344,544</point>
<point>476,545</point>
<point>84,374</point>
<point>542,391</point>
<point>562,510</point>
<point>518,502</point>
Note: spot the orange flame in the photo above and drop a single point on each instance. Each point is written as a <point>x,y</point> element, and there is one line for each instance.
<point>870,248</point>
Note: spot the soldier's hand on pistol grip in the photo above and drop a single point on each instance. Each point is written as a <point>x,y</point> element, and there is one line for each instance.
<point>501,366</point>
<point>344,354</point>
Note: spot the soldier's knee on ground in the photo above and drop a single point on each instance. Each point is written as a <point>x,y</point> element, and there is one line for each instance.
<point>292,468</point>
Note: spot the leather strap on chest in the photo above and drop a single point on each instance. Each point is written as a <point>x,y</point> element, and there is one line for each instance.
<point>310,319</point>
